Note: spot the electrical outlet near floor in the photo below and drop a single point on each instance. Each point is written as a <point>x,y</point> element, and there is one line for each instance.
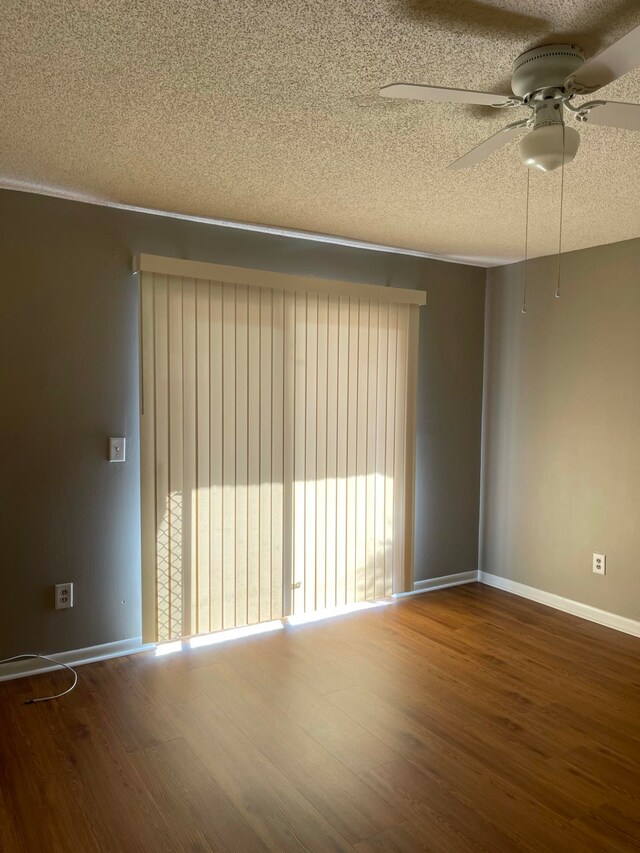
<point>599,564</point>
<point>63,595</point>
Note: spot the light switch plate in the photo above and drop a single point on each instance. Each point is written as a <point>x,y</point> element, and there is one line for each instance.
<point>117,449</point>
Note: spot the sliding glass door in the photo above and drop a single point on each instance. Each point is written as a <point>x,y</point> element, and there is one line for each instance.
<point>277,436</point>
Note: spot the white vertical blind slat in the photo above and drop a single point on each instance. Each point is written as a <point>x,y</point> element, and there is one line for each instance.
<point>163,557</point>
<point>176,458</point>
<point>299,452</point>
<point>203,487</point>
<point>254,554</point>
<point>217,345</point>
<point>321,451</point>
<point>342,344</point>
<point>372,423</point>
<point>361,450</point>
<point>148,456</point>
<point>331,513</point>
<point>230,526</point>
<point>288,447</point>
<point>265,428</point>
<point>189,405</point>
<point>352,449</point>
<point>399,448</point>
<point>392,422</point>
<point>380,539</point>
<point>241,426</point>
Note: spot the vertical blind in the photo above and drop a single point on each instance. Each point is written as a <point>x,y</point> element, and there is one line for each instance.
<point>278,430</point>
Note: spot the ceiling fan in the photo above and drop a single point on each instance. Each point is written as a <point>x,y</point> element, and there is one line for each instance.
<point>546,80</point>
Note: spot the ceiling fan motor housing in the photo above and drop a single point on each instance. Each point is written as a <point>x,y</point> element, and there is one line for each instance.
<point>545,67</point>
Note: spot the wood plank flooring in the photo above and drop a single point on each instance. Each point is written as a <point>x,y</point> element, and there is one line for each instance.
<point>461,720</point>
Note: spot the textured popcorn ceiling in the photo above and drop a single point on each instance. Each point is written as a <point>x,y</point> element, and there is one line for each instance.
<point>267,112</point>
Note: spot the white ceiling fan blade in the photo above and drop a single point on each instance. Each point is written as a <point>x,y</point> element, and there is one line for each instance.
<point>409,91</point>
<point>612,114</point>
<point>619,59</point>
<point>482,151</point>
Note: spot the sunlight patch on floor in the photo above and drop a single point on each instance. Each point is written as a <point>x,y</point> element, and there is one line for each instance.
<point>164,649</point>
<point>234,634</point>
<point>319,615</point>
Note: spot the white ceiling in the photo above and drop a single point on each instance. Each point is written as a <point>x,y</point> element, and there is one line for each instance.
<point>268,113</point>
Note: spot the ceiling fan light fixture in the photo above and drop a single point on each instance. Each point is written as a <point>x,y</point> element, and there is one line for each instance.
<point>541,148</point>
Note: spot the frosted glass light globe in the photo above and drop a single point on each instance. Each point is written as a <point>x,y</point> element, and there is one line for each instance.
<point>542,147</point>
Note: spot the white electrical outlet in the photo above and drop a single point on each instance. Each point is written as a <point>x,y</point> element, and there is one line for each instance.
<point>599,564</point>
<point>63,595</point>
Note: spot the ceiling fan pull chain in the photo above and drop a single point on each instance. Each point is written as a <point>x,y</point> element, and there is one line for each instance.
<point>526,249</point>
<point>561,210</point>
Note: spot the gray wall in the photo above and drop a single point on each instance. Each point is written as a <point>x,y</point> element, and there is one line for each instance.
<point>561,455</point>
<point>69,379</point>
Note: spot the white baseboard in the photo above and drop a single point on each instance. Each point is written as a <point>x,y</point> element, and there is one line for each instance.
<point>134,645</point>
<point>431,584</point>
<point>576,608</point>
<point>77,657</point>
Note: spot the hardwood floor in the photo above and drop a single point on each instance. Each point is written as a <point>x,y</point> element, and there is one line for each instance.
<point>461,720</point>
